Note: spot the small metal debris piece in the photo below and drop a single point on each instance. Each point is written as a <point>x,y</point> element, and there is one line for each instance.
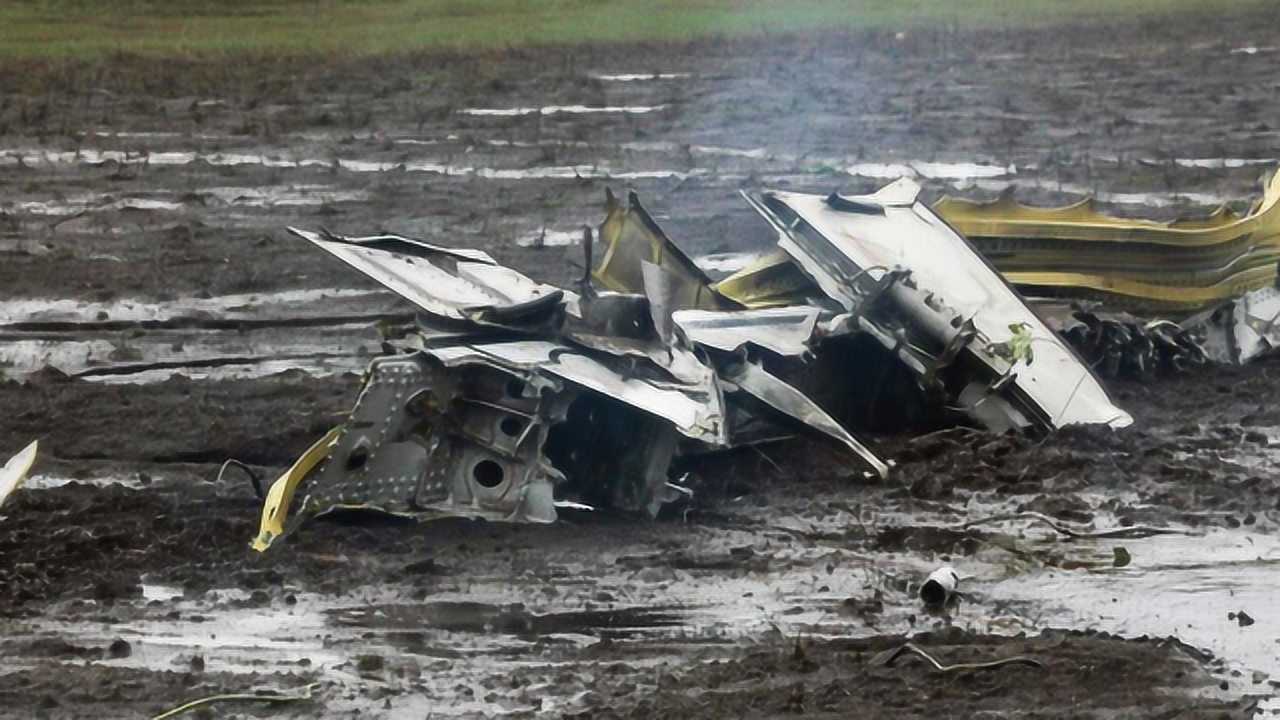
<point>15,470</point>
<point>1239,330</point>
<point>940,587</point>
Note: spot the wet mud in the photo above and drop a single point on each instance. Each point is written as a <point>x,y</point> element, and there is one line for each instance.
<point>155,319</point>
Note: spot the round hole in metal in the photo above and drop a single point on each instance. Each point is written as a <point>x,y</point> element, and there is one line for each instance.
<point>487,473</point>
<point>357,458</point>
<point>511,427</point>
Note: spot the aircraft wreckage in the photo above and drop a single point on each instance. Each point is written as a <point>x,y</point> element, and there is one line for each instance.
<point>510,398</point>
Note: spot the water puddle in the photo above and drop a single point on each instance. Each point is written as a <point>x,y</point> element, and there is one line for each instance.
<point>160,593</point>
<point>238,369</point>
<point>563,109</point>
<point>639,77</point>
<point>1148,199</point>
<point>291,304</point>
<point>550,238</point>
<point>83,204</point>
<point>930,170</point>
<point>662,606</point>
<point>567,172</point>
<point>1191,588</point>
<point>400,620</point>
<point>1253,50</point>
<point>49,481</point>
<point>728,262</point>
<point>153,356</point>
<point>282,195</point>
<point>262,197</point>
<point>1220,163</point>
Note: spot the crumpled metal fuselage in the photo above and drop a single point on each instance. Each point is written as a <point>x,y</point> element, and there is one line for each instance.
<point>512,399</point>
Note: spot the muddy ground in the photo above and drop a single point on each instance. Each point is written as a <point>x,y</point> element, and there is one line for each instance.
<point>155,319</point>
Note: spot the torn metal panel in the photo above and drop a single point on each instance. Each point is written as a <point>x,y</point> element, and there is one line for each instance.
<point>1076,251</point>
<point>631,238</point>
<point>786,331</point>
<point>464,287</point>
<point>503,431</point>
<point>1241,330</point>
<point>772,281</point>
<point>695,410</point>
<point>15,470</point>
<point>773,392</point>
<point>425,440</point>
<point>950,315</point>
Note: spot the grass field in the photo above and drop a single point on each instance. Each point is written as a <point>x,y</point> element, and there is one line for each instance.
<point>87,29</point>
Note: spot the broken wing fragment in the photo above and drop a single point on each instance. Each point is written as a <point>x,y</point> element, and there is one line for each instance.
<point>458,285</point>
<point>16,469</point>
<point>904,276</point>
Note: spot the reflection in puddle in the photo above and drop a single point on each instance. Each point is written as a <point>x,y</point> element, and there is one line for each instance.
<point>1175,586</point>
<point>558,109</point>
<point>475,617</point>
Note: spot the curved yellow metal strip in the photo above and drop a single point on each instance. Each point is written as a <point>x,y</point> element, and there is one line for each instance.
<point>1075,250</point>
<point>1007,218</point>
<point>631,238</point>
<point>1172,297</point>
<point>772,281</point>
<point>275,508</point>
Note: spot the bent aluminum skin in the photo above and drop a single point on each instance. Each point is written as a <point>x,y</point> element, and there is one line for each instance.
<point>938,305</point>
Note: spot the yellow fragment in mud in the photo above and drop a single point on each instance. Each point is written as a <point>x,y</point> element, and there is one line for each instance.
<point>772,281</point>
<point>631,238</point>
<point>1075,250</point>
<point>275,508</point>
<point>15,470</point>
